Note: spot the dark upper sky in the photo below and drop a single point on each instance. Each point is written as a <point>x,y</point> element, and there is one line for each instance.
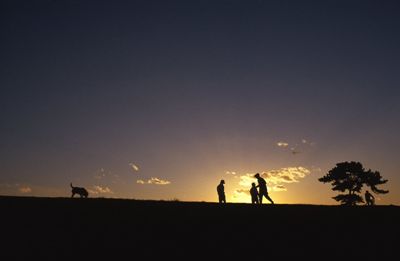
<point>190,89</point>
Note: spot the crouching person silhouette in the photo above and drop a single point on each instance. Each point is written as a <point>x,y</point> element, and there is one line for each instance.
<point>254,194</point>
<point>221,192</point>
<point>262,189</point>
<point>369,198</point>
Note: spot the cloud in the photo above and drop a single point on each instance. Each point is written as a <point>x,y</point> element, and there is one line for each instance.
<point>241,195</point>
<point>13,189</point>
<point>286,175</point>
<point>282,144</point>
<point>230,172</point>
<point>280,188</point>
<point>242,191</point>
<point>100,190</point>
<point>154,181</point>
<point>246,180</point>
<point>294,151</point>
<point>25,190</point>
<point>134,167</point>
<point>302,146</point>
<point>276,178</point>
<point>101,173</point>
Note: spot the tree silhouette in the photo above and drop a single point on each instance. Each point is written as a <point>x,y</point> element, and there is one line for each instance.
<point>351,176</point>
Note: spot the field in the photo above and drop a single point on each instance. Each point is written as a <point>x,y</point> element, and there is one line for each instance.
<point>63,228</point>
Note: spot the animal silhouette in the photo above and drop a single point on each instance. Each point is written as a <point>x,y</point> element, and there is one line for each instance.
<point>82,192</point>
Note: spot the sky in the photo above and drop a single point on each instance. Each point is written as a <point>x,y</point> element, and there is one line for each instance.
<point>163,99</point>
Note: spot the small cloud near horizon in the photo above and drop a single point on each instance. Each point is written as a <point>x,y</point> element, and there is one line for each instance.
<point>96,189</point>
<point>153,181</point>
<point>230,172</point>
<point>25,190</point>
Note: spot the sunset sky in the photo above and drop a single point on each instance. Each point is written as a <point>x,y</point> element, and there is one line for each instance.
<point>163,99</point>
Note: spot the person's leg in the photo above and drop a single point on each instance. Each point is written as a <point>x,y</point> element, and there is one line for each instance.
<point>260,197</point>
<point>270,200</point>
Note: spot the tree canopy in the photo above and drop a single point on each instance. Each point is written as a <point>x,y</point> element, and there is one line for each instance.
<point>350,177</point>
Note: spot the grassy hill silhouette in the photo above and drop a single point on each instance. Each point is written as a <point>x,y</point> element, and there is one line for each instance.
<point>64,228</point>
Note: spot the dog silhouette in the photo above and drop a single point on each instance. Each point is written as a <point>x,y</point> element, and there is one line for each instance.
<point>82,192</point>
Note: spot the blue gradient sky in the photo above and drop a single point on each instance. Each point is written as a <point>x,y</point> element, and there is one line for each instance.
<point>191,90</point>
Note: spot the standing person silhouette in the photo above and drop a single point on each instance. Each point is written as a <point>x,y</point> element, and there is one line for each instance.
<point>262,189</point>
<point>221,192</point>
<point>254,194</point>
<point>369,198</point>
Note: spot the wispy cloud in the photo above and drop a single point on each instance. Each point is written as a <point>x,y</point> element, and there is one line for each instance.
<point>105,176</point>
<point>14,189</point>
<point>294,151</point>
<point>25,190</point>
<point>276,178</point>
<point>242,191</point>
<point>286,175</point>
<point>230,172</point>
<point>299,147</point>
<point>280,188</point>
<point>241,195</point>
<point>134,167</point>
<point>282,144</point>
<point>101,173</point>
<point>154,181</point>
<point>246,180</point>
<point>100,190</point>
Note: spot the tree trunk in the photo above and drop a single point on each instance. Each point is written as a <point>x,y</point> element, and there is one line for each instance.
<point>351,203</point>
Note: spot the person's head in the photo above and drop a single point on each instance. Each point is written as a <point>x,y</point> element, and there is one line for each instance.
<point>253,184</point>
<point>222,181</point>
<point>257,175</point>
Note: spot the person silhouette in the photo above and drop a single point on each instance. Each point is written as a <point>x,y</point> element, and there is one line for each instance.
<point>254,194</point>
<point>262,189</point>
<point>369,198</point>
<point>221,192</point>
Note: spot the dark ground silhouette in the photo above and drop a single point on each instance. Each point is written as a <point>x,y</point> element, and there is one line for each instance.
<point>117,229</point>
